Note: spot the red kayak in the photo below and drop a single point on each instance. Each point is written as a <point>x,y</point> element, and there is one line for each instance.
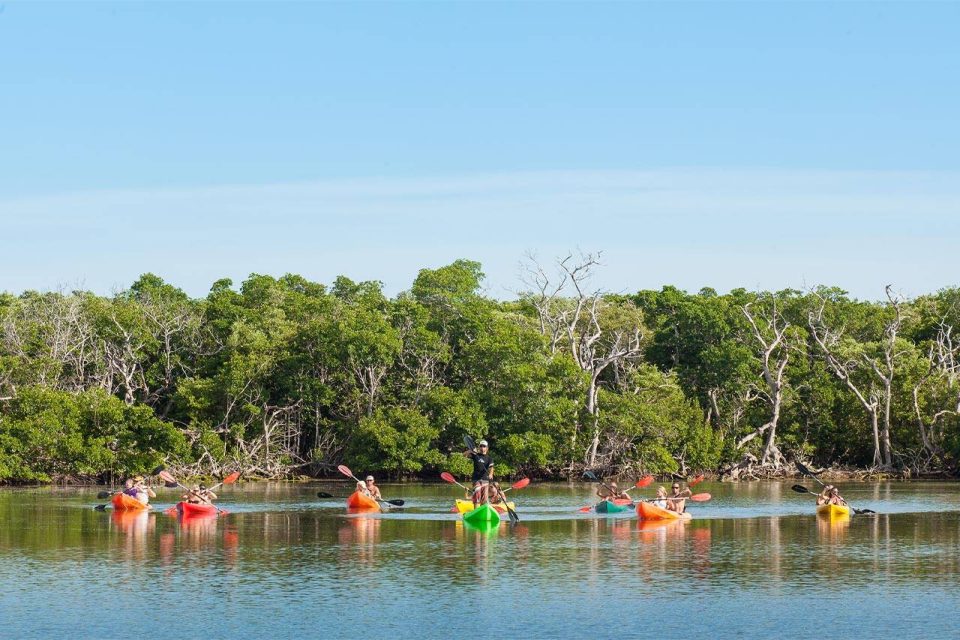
<point>359,500</point>
<point>192,509</point>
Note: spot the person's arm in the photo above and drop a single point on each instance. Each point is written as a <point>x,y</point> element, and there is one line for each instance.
<point>469,453</point>
<point>151,493</point>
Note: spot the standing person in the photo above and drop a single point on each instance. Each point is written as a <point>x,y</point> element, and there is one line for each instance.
<point>676,501</point>
<point>482,472</point>
<point>369,487</point>
<point>143,493</point>
<point>830,495</point>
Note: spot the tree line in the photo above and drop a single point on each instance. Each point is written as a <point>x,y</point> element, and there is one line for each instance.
<point>285,376</point>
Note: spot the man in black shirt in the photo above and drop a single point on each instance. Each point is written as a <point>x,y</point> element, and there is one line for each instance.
<point>482,472</point>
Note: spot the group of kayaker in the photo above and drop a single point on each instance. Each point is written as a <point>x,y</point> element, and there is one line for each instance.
<point>675,501</point>
<point>137,488</point>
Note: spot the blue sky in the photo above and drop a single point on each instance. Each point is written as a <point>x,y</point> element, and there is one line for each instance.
<point>764,144</point>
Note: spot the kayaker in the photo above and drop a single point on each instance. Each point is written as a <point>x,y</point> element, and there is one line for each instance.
<point>612,493</point>
<point>143,492</point>
<point>129,488</point>
<point>199,494</point>
<point>676,500</point>
<point>661,500</point>
<point>830,495</point>
<point>369,488</point>
<point>482,472</point>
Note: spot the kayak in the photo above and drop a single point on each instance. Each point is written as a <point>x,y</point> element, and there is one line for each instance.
<point>833,510</point>
<point>463,506</point>
<point>617,506</point>
<point>123,502</point>
<point>191,509</point>
<point>650,511</point>
<point>359,500</point>
<point>484,514</point>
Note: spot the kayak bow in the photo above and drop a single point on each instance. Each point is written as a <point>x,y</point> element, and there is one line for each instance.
<point>123,502</point>
<point>650,511</point>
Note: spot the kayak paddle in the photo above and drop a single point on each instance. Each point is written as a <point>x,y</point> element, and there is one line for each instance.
<point>639,484</point>
<point>697,480</point>
<point>801,489</point>
<point>697,497</point>
<point>345,470</point>
<point>805,471</point>
<point>448,477</point>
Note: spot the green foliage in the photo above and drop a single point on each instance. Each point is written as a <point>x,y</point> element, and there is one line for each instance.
<point>396,440</point>
<point>276,373</point>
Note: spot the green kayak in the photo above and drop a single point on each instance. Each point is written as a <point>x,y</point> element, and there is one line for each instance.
<point>612,507</point>
<point>483,514</point>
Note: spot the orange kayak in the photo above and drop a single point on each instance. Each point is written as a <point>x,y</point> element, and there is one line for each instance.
<point>123,502</point>
<point>650,511</point>
<point>359,500</point>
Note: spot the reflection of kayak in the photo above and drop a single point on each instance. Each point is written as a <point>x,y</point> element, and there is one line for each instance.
<point>463,506</point>
<point>359,500</point>
<point>650,511</point>
<point>190,509</point>
<point>833,510</point>
<point>662,525</point>
<point>484,514</point>
<point>131,519</point>
<point>123,502</point>
<point>616,506</point>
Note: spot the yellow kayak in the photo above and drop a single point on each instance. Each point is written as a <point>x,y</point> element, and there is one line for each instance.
<point>465,506</point>
<point>833,510</point>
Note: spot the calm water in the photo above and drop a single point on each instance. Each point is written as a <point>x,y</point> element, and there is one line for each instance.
<point>754,563</point>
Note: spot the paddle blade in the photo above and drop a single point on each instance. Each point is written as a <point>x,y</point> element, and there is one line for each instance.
<point>695,481</point>
<point>166,477</point>
<point>467,440</point>
<point>520,484</point>
<point>585,509</point>
<point>157,471</point>
<point>645,481</point>
<point>396,503</point>
<point>345,470</point>
<point>448,477</point>
<point>800,489</point>
<point>103,495</point>
<point>700,497</point>
<point>233,477</point>
<point>100,507</point>
<point>589,474</point>
<point>324,494</point>
<point>805,471</point>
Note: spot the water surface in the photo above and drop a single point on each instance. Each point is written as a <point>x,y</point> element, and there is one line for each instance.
<point>755,562</point>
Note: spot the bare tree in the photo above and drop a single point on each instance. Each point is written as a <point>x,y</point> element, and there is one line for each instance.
<point>770,332</point>
<point>574,324</point>
<point>943,374</point>
<point>876,397</point>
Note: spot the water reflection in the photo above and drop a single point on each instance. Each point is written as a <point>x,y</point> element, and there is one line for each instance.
<point>279,559</point>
